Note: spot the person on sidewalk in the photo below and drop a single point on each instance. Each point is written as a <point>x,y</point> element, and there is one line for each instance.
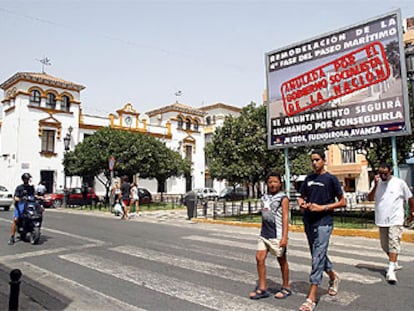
<point>125,196</point>
<point>134,206</point>
<point>390,193</point>
<point>321,193</point>
<point>273,237</point>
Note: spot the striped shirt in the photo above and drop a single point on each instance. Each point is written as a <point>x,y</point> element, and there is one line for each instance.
<point>272,215</point>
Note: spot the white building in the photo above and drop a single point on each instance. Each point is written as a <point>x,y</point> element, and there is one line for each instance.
<point>39,110</point>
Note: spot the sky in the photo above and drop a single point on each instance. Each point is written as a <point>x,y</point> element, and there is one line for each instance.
<point>144,52</point>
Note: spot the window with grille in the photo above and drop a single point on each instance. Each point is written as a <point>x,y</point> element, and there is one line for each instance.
<point>65,105</point>
<point>195,125</point>
<point>35,98</point>
<point>51,101</point>
<point>180,123</point>
<point>48,141</point>
<point>188,124</point>
<point>189,153</point>
<point>348,155</point>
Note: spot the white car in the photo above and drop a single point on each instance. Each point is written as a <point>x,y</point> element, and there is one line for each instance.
<point>206,194</point>
<point>6,198</point>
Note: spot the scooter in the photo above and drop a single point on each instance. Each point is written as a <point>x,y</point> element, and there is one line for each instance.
<point>31,220</point>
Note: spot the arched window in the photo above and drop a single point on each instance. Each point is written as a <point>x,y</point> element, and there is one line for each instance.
<point>187,124</point>
<point>51,101</point>
<point>180,123</point>
<point>65,104</point>
<point>195,125</point>
<point>208,120</point>
<point>35,98</point>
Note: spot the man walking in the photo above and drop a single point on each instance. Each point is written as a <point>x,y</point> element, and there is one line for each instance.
<point>321,193</point>
<point>390,193</point>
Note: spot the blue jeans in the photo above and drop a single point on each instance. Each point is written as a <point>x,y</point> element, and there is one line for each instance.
<point>318,239</point>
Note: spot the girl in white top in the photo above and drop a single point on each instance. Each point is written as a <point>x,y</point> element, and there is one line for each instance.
<point>135,198</point>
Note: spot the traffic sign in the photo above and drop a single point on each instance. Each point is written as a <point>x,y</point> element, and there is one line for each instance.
<point>111,163</point>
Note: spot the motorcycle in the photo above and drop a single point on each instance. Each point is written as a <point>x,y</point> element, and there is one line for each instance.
<point>31,220</point>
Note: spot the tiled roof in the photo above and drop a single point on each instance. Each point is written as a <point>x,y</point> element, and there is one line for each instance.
<point>220,105</point>
<point>43,78</point>
<point>178,107</point>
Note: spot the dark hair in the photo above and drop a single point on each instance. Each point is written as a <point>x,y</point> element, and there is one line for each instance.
<point>319,152</point>
<point>125,178</point>
<point>273,174</point>
<point>385,165</point>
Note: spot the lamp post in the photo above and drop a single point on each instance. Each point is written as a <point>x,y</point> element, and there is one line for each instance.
<point>66,143</point>
<point>409,57</point>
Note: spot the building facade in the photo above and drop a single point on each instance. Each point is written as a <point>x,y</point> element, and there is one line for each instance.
<point>40,110</point>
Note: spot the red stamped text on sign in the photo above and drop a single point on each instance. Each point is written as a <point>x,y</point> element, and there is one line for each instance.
<point>347,74</point>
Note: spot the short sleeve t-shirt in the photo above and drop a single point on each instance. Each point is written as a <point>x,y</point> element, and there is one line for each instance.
<point>272,215</point>
<point>24,190</point>
<point>125,190</point>
<point>320,189</point>
<point>389,202</point>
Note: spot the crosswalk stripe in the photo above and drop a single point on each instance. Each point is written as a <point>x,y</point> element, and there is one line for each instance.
<point>204,296</point>
<point>79,295</point>
<point>202,267</point>
<point>336,259</point>
<point>345,298</point>
<point>361,250</point>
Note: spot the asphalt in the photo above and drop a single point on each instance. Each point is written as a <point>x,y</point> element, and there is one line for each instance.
<point>175,216</point>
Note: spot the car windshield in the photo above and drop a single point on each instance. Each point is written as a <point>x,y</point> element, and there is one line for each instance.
<point>2,188</point>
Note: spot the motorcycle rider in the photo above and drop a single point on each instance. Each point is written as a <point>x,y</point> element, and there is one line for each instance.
<point>23,190</point>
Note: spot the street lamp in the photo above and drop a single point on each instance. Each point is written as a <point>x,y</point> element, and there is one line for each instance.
<point>66,143</point>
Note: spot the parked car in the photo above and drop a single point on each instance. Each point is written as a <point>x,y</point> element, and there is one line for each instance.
<point>75,198</point>
<point>145,196</point>
<point>206,194</point>
<point>232,194</point>
<point>6,198</point>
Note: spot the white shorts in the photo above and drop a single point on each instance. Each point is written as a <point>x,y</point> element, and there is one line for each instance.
<point>272,245</point>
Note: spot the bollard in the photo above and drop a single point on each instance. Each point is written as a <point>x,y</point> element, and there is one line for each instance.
<point>15,276</point>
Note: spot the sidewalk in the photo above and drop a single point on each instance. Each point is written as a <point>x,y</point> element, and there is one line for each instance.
<point>180,215</point>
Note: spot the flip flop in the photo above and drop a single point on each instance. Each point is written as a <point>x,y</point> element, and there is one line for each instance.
<point>259,294</point>
<point>283,292</point>
<point>333,286</point>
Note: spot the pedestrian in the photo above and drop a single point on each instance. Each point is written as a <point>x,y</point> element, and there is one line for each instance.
<point>125,196</point>
<point>390,194</point>
<point>273,237</point>
<point>190,201</point>
<point>134,199</point>
<point>85,191</point>
<point>321,193</point>
<point>116,192</point>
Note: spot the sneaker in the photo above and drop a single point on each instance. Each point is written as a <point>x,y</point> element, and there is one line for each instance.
<point>391,277</point>
<point>397,267</point>
<point>11,241</point>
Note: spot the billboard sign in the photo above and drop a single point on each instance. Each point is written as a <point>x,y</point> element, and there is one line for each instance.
<point>342,86</point>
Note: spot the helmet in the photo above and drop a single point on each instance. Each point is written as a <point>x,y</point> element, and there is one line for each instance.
<point>26,176</point>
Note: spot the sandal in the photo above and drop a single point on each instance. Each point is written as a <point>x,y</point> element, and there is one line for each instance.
<point>283,293</point>
<point>259,294</point>
<point>333,286</point>
<point>308,305</point>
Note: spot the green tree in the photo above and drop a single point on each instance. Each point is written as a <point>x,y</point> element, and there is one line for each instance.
<point>134,153</point>
<point>238,150</point>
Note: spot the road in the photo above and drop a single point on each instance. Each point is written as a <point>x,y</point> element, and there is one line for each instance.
<point>161,262</point>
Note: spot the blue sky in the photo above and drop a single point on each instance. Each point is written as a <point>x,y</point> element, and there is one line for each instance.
<point>142,52</point>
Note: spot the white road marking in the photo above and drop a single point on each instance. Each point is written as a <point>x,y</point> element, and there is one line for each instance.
<point>345,298</point>
<point>182,262</point>
<point>201,295</point>
<point>353,277</point>
<point>81,296</point>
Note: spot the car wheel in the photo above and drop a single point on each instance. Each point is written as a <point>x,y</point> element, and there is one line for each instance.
<point>57,203</point>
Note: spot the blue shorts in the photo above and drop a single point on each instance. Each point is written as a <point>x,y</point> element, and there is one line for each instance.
<point>18,210</point>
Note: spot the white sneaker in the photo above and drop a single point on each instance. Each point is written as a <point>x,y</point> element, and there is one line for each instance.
<point>391,277</point>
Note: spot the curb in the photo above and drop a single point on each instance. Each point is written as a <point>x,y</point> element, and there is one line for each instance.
<point>407,236</point>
